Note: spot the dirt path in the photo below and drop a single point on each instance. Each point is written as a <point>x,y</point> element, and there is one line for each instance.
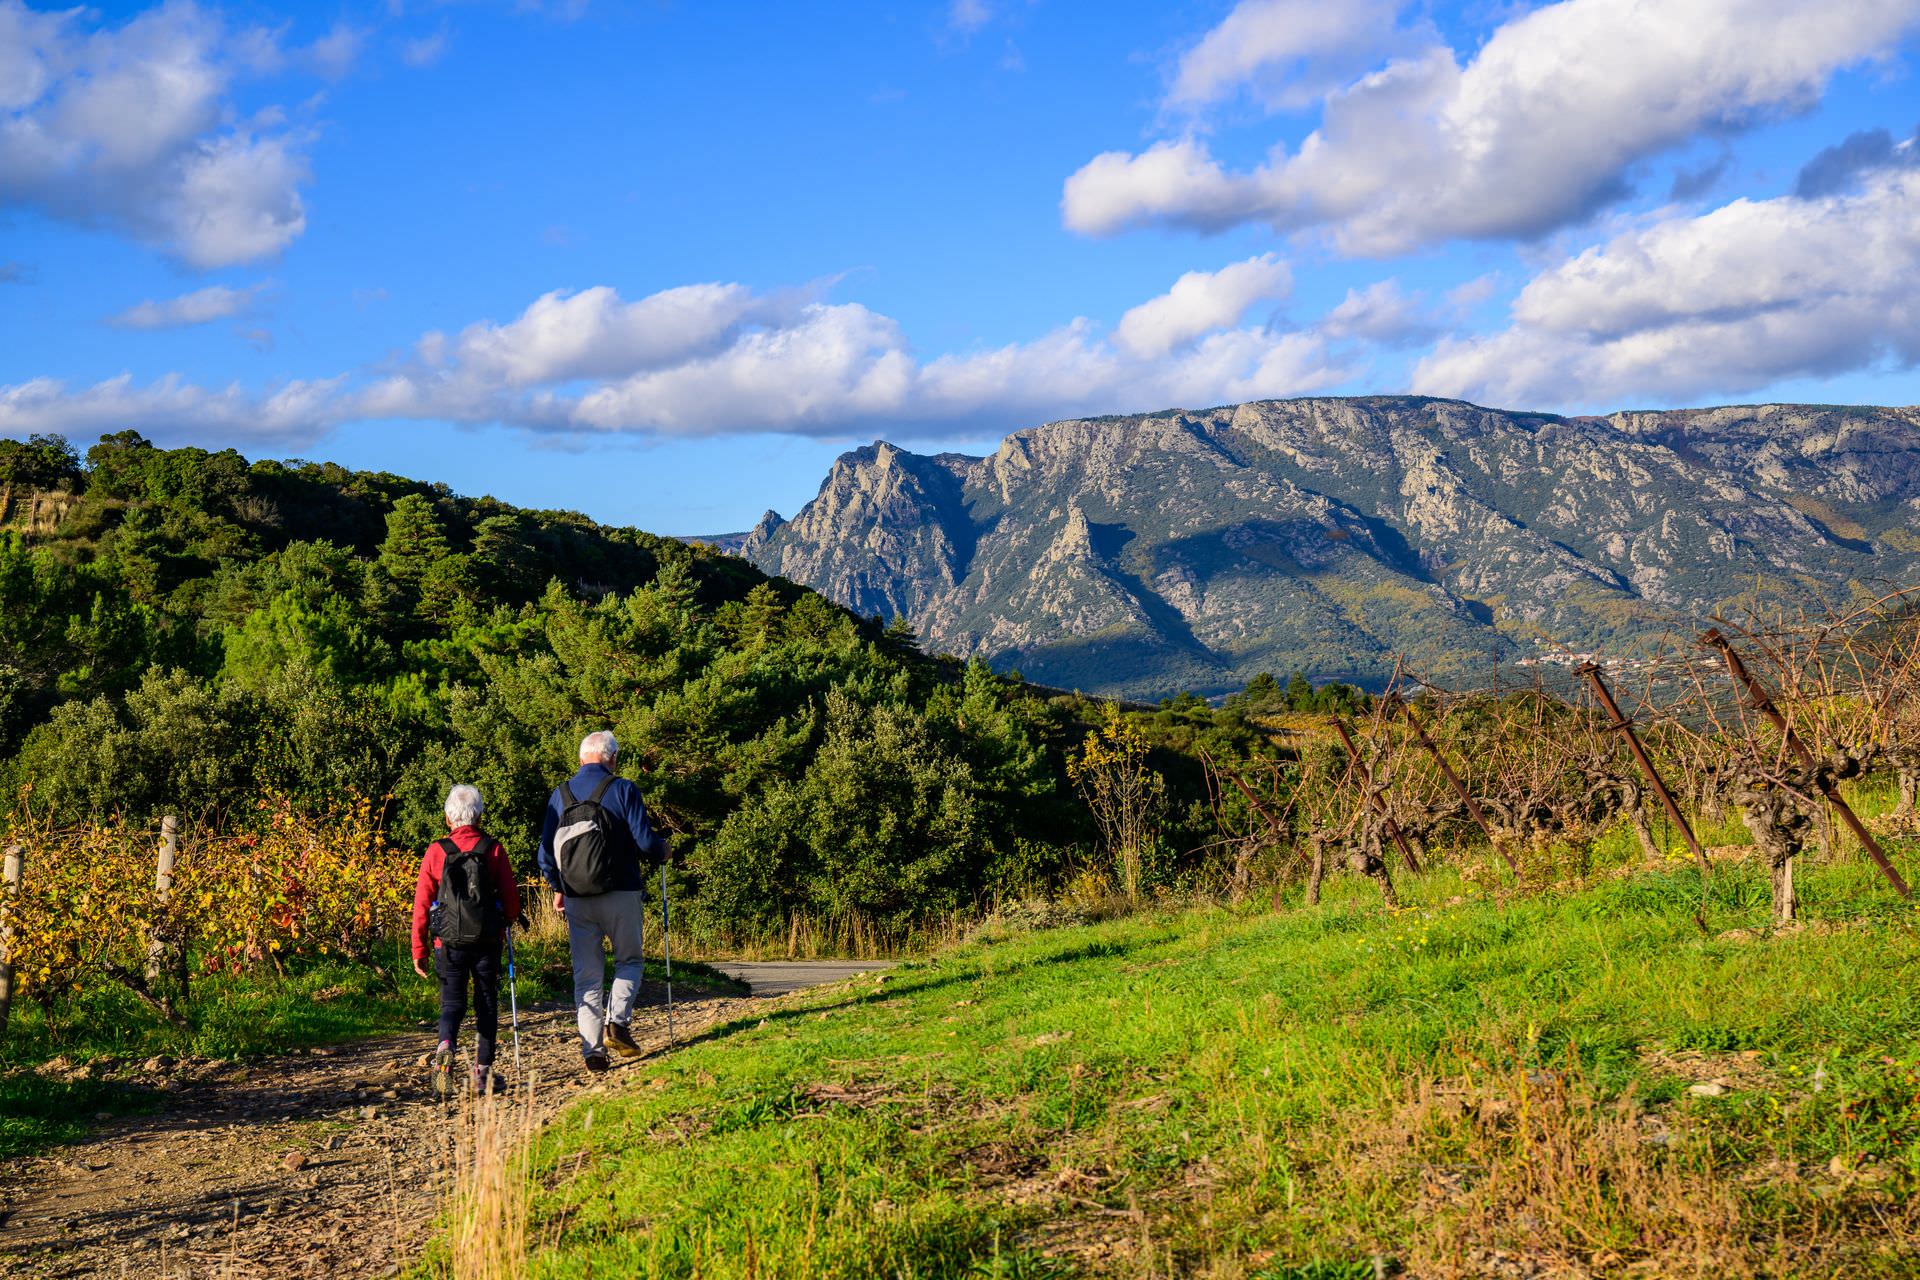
<point>778,977</point>
<point>328,1162</point>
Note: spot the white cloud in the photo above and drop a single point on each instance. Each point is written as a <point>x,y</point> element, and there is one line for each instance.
<point>129,127</point>
<point>968,16</point>
<point>424,51</point>
<point>1726,302</point>
<point>1287,52</point>
<point>1380,314</point>
<point>202,306</point>
<point>717,358</point>
<point>1199,303</point>
<point>171,407</point>
<point>334,54</point>
<point>1538,130</point>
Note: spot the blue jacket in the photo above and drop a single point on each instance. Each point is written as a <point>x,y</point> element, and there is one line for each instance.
<point>623,805</point>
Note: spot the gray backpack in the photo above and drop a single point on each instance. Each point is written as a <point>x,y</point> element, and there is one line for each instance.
<point>584,845</point>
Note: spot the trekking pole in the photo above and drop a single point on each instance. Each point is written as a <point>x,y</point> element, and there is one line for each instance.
<point>666,946</point>
<point>513,1002</point>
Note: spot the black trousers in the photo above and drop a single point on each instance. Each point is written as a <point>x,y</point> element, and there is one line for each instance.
<point>455,965</point>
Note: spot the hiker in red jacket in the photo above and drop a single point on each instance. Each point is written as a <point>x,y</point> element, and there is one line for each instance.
<point>466,894</point>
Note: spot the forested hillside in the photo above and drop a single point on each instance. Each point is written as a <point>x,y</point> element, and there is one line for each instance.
<point>187,632</point>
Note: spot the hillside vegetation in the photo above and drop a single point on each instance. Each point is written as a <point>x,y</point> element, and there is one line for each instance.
<point>186,632</point>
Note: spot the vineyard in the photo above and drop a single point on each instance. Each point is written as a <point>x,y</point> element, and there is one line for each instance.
<point>113,904</point>
<point>1750,735</point>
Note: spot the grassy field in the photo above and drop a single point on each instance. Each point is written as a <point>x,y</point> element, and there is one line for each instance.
<point>1573,1083</point>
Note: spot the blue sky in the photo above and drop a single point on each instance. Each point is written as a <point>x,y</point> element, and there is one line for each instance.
<point>662,262</point>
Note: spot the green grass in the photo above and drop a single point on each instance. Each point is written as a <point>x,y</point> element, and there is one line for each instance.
<point>236,1017</point>
<point>1271,1094</point>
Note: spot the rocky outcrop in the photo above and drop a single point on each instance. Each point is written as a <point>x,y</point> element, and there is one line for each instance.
<point>1149,554</point>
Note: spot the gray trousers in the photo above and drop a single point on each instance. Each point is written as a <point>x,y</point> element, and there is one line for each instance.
<point>620,919</point>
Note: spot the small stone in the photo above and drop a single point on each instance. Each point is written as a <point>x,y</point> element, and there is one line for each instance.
<point>367,1112</point>
<point>103,1115</point>
<point>158,1063</point>
<point>1707,1089</point>
<point>1839,1166</point>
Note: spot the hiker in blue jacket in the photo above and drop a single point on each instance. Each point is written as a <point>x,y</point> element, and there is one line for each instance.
<point>595,847</point>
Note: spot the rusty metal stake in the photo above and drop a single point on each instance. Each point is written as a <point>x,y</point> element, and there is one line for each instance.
<point>1758,699</point>
<point>1373,797</point>
<point>1624,727</point>
<point>1453,779</point>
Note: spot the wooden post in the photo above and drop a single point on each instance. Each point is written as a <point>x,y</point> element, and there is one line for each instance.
<point>1373,797</point>
<point>1624,727</point>
<point>1758,699</point>
<point>9,894</point>
<point>158,943</point>
<point>1453,779</point>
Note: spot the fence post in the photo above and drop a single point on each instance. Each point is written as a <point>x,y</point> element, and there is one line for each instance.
<point>1453,779</point>
<point>9,894</point>
<point>1759,700</point>
<point>1624,727</point>
<point>1373,797</point>
<point>158,941</point>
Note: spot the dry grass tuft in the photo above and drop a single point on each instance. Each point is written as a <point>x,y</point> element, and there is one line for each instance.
<point>1528,1173</point>
<point>491,1188</point>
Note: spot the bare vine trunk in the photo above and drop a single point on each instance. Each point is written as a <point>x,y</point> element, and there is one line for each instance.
<point>1367,860</point>
<point>1909,778</point>
<point>1319,869</point>
<point>1779,829</point>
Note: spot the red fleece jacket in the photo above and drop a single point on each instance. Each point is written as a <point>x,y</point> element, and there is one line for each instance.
<point>433,862</point>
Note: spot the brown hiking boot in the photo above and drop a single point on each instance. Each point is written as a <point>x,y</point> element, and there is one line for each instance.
<point>596,1061</point>
<point>622,1040</point>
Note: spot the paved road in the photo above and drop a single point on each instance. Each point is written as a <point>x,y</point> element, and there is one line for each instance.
<point>777,977</point>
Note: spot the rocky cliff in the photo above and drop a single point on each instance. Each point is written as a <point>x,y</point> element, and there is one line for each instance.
<point>1190,550</point>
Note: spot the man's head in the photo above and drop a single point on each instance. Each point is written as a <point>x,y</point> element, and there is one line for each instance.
<point>599,748</point>
<point>464,807</point>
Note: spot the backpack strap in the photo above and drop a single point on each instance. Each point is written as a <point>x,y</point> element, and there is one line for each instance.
<point>447,848</point>
<point>567,791</point>
<point>605,782</point>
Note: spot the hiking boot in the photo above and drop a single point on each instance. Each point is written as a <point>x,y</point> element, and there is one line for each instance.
<point>596,1060</point>
<point>485,1082</point>
<point>440,1077</point>
<point>622,1040</point>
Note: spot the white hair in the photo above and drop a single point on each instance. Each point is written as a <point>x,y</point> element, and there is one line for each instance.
<point>599,746</point>
<point>464,806</point>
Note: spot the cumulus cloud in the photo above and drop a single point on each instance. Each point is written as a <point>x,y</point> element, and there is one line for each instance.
<point>1538,130</point>
<point>128,127</point>
<point>716,358</point>
<point>1732,300</point>
<point>202,306</point>
<point>1199,303</point>
<point>171,406</point>
<point>1286,53</point>
<point>1381,314</point>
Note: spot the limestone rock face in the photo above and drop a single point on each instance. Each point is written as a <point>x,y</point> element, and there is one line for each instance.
<point>1182,550</point>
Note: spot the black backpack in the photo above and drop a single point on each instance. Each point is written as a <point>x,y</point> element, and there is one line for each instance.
<point>465,913</point>
<point>584,845</point>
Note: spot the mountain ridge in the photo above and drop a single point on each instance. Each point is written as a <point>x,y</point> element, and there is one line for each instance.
<point>1147,554</point>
